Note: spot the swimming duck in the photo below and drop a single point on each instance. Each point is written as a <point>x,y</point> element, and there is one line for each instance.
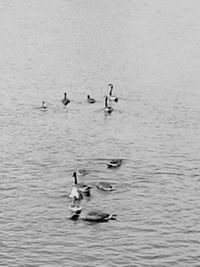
<point>44,106</point>
<point>107,108</point>
<point>82,188</point>
<point>90,100</point>
<point>65,100</point>
<point>114,163</point>
<point>111,97</point>
<point>95,216</point>
<point>105,186</point>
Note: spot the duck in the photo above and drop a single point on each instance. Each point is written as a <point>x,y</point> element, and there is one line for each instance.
<point>75,206</point>
<point>90,100</point>
<point>65,100</point>
<point>81,187</point>
<point>111,97</point>
<point>114,163</point>
<point>105,186</point>
<point>107,109</point>
<point>44,106</point>
<point>94,216</point>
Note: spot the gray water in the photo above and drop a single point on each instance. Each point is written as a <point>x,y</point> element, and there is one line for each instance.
<point>150,51</point>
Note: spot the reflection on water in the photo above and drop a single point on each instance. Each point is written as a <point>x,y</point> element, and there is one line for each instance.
<point>150,52</point>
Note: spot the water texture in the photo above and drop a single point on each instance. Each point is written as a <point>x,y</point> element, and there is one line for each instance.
<point>150,51</point>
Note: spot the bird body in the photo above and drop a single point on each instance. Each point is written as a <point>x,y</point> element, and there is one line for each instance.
<point>112,97</point>
<point>99,216</point>
<point>65,100</point>
<point>114,163</point>
<point>75,193</point>
<point>105,186</point>
<point>90,100</point>
<point>94,216</point>
<point>81,187</point>
<point>75,206</point>
<point>107,109</point>
<point>44,106</point>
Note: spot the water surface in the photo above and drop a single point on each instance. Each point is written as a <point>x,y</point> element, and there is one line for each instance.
<point>149,50</point>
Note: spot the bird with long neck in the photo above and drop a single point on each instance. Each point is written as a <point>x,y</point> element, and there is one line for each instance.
<point>111,97</point>
<point>65,100</point>
<point>43,105</point>
<point>75,178</point>
<point>107,108</point>
<point>111,89</point>
<point>81,187</point>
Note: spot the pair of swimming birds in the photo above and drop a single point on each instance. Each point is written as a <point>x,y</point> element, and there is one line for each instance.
<point>80,189</point>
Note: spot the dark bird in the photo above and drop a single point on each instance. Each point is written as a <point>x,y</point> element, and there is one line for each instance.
<point>94,216</point>
<point>112,97</point>
<point>65,100</point>
<point>107,109</point>
<point>90,100</point>
<point>114,163</point>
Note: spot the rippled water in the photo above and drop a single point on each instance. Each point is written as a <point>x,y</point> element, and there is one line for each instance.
<point>150,51</point>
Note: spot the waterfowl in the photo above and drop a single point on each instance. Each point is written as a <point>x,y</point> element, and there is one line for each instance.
<point>75,206</point>
<point>90,100</point>
<point>65,100</point>
<point>81,187</point>
<point>75,193</point>
<point>105,186</point>
<point>44,106</point>
<point>107,108</point>
<point>114,163</point>
<point>111,97</point>
<point>95,216</point>
<point>82,172</point>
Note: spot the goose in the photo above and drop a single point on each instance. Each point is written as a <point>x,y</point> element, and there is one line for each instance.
<point>81,187</point>
<point>90,100</point>
<point>82,172</point>
<point>75,194</point>
<point>44,106</point>
<point>105,186</point>
<point>75,206</point>
<point>111,97</point>
<point>94,216</point>
<point>114,163</point>
<point>65,100</point>
<point>107,108</point>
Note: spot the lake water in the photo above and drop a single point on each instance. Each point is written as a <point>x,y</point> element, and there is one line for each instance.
<point>150,51</point>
